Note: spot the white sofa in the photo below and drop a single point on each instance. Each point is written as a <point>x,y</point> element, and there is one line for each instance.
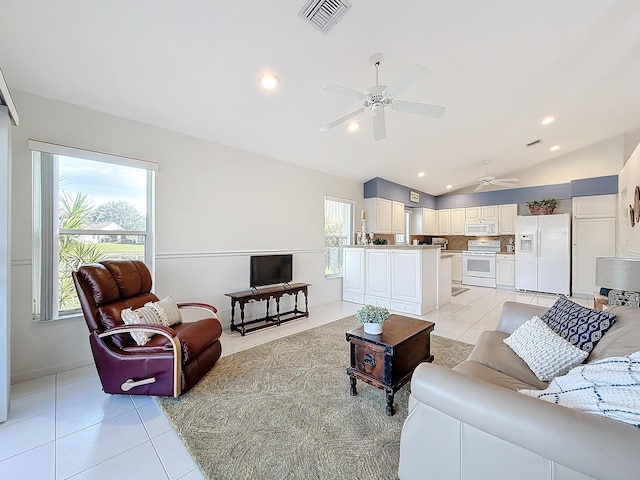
<point>471,423</point>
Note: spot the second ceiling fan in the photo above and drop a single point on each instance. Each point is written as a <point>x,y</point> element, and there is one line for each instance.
<point>377,97</point>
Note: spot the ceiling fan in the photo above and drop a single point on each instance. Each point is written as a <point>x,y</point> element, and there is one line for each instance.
<point>490,180</point>
<point>377,97</point>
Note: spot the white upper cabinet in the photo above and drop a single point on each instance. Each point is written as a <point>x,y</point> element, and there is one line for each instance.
<point>488,212</point>
<point>595,206</point>
<point>379,215</point>
<point>384,216</point>
<point>444,222</point>
<point>397,217</point>
<point>424,221</point>
<point>457,221</point>
<point>472,214</point>
<point>507,219</point>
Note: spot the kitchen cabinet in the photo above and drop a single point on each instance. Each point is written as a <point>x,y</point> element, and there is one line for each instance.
<point>397,216</point>
<point>593,232</point>
<point>456,268</point>
<point>505,270</point>
<point>595,206</point>
<point>424,221</point>
<point>488,212</point>
<point>379,215</point>
<point>353,279</point>
<point>402,279</point>
<point>444,222</point>
<point>507,219</point>
<point>414,280</point>
<point>591,238</point>
<point>384,216</point>
<point>444,280</point>
<point>457,221</point>
<point>377,279</point>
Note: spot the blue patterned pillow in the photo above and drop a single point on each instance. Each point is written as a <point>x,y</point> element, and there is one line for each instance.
<point>580,326</point>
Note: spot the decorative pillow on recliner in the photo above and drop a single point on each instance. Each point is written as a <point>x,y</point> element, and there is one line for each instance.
<point>170,308</point>
<point>609,387</point>
<point>546,353</point>
<point>581,326</point>
<point>150,315</point>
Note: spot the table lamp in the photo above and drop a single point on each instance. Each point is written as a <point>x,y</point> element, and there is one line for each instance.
<point>622,277</point>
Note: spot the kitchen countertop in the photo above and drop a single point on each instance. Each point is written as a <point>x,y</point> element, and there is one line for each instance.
<point>404,247</point>
<point>460,251</point>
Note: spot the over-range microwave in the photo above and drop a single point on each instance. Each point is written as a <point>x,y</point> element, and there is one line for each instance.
<point>481,228</point>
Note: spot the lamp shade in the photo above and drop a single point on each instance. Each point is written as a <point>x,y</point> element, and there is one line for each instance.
<point>618,273</point>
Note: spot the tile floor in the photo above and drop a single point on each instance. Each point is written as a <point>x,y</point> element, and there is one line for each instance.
<point>63,426</point>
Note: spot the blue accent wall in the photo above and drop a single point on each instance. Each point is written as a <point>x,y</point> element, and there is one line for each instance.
<point>379,187</point>
<point>594,186</point>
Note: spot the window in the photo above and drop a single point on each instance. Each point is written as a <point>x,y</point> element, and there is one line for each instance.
<point>87,207</point>
<point>403,238</point>
<point>338,231</point>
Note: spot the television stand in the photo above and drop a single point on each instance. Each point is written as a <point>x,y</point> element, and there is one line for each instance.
<point>267,293</point>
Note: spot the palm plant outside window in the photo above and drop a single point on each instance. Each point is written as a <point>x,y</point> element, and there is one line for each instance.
<point>338,231</point>
<point>86,209</point>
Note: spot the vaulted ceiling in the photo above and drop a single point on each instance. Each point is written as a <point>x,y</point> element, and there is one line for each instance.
<point>498,67</point>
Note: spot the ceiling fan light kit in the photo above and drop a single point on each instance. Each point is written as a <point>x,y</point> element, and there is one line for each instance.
<point>377,97</point>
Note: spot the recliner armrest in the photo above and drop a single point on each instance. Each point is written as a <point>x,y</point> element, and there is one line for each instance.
<point>576,439</point>
<point>140,327</point>
<point>204,306</point>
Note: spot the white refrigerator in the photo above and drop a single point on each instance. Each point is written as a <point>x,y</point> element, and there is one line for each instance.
<point>543,253</point>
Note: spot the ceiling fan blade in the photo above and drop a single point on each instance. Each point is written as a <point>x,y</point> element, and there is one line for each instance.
<point>507,180</point>
<point>342,119</point>
<point>419,108</point>
<point>379,127</point>
<point>503,184</point>
<point>479,187</point>
<point>410,77</point>
<point>349,92</point>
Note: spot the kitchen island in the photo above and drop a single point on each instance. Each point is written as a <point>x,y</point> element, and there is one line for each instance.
<point>413,279</point>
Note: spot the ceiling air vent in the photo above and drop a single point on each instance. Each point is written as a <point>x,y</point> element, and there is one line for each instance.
<point>324,14</point>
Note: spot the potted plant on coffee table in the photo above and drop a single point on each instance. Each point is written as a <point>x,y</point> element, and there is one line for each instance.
<point>372,318</point>
<point>543,207</point>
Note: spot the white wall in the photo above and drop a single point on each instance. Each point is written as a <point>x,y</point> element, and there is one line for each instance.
<point>628,179</point>
<point>597,160</point>
<point>215,206</point>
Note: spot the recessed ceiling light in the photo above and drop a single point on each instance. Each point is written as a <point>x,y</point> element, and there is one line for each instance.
<point>554,148</point>
<point>353,126</point>
<point>421,174</point>
<point>449,187</point>
<point>548,120</point>
<point>268,81</point>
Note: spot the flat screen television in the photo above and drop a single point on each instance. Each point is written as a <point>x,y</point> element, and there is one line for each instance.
<point>271,269</point>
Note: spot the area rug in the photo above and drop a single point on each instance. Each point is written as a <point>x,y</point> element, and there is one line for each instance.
<point>457,291</point>
<point>282,410</point>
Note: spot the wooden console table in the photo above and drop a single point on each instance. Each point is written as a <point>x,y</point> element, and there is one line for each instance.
<point>258,294</point>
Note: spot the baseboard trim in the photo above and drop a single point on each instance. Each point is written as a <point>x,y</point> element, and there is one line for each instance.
<point>49,370</point>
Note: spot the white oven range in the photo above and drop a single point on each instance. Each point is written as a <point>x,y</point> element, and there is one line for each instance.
<point>479,263</point>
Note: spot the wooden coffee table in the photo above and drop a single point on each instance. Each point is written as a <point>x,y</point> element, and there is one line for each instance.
<point>387,361</point>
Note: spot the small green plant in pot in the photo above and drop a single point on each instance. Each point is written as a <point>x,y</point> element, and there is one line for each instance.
<point>543,207</point>
<point>372,318</point>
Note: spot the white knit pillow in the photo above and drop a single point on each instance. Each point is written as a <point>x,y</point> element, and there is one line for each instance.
<point>149,314</point>
<point>546,353</point>
<point>168,304</point>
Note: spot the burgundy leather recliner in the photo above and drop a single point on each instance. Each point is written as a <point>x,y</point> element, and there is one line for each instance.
<point>171,362</point>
